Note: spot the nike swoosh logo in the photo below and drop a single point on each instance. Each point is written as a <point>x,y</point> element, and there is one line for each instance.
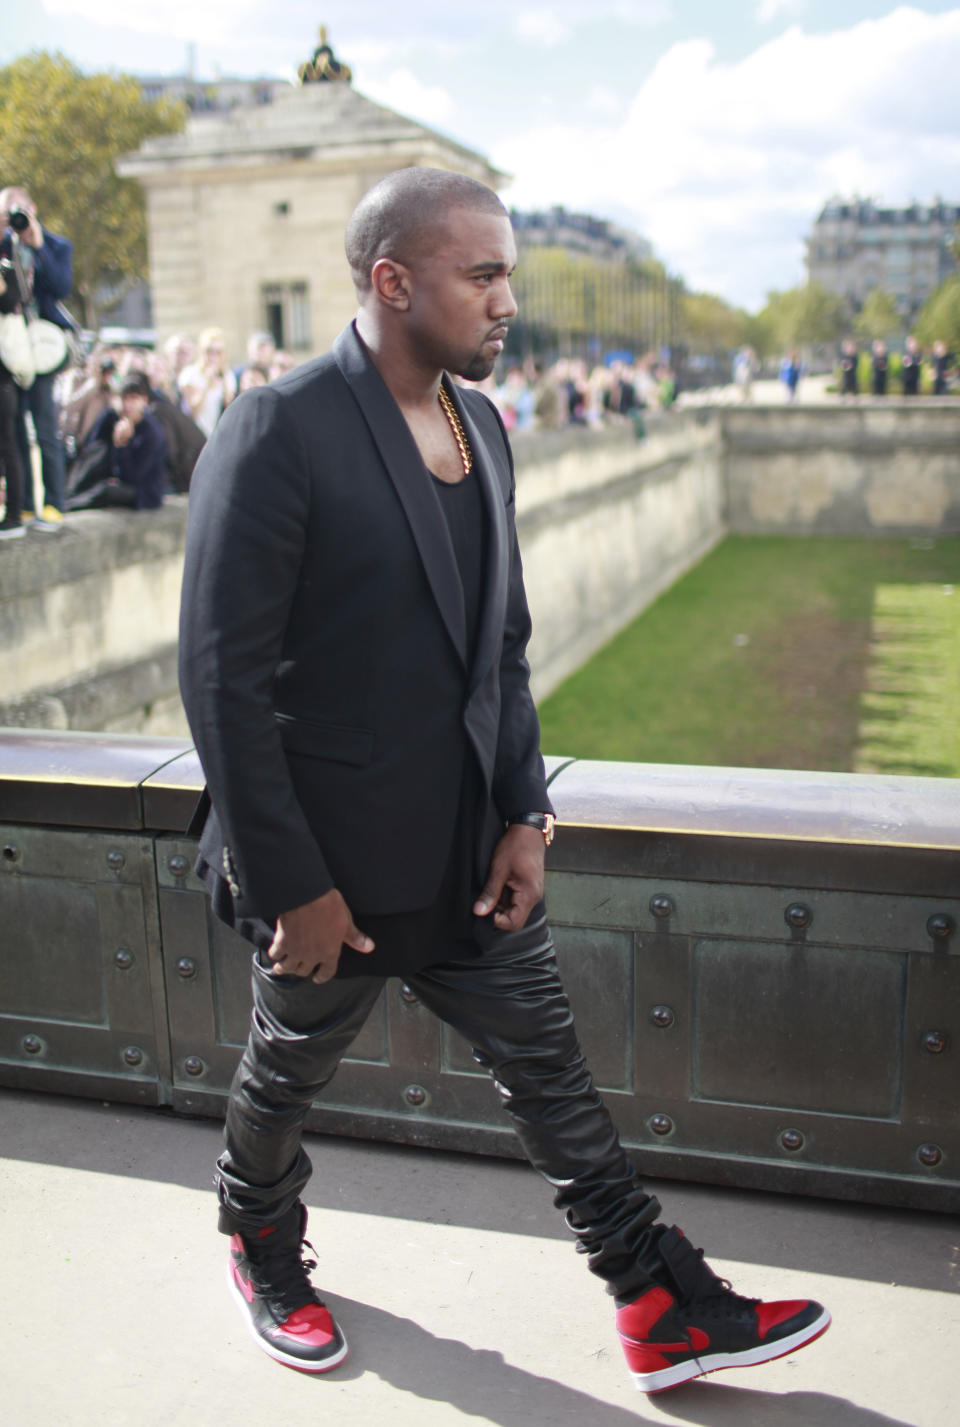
<point>698,1341</point>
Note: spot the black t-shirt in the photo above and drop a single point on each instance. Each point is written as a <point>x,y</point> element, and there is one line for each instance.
<point>406,941</point>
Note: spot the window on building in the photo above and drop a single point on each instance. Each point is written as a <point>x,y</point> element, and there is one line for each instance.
<point>286,312</point>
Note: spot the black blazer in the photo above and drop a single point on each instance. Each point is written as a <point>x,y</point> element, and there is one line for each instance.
<point>323,658</point>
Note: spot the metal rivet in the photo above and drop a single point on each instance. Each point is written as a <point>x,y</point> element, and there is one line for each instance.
<point>186,967</point>
<point>178,865</point>
<point>193,1065</point>
<point>408,994</point>
<point>930,1154</point>
<point>123,958</point>
<point>792,1140</point>
<point>662,1016</point>
<point>662,905</point>
<point>133,1055</point>
<point>661,1124</point>
<point>11,853</point>
<point>934,1042</point>
<point>33,1045</point>
<point>941,926</point>
<point>797,915</point>
<point>415,1095</point>
<point>115,860</point>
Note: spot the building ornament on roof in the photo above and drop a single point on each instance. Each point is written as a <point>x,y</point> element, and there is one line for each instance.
<point>323,67</point>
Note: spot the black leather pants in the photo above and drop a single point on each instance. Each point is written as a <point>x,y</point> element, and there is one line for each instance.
<point>512,1008</point>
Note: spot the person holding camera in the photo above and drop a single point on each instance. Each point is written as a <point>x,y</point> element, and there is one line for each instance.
<point>46,262</point>
<point>11,526</point>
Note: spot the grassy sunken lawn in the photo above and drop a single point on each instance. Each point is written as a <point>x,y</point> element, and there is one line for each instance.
<point>779,652</point>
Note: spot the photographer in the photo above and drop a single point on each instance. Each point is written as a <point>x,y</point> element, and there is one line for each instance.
<point>46,261</point>
<point>11,526</point>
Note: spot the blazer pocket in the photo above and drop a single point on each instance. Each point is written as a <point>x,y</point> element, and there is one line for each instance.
<point>331,741</point>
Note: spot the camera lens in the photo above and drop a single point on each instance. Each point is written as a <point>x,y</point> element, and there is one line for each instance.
<point>19,221</point>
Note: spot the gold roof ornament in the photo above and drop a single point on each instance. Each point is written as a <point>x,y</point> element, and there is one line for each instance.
<point>323,67</point>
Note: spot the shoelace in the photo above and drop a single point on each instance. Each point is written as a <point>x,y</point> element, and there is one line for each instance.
<point>713,1295</point>
<point>282,1276</point>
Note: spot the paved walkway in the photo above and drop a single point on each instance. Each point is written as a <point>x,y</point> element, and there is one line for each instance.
<point>455,1282</point>
<point>812,391</point>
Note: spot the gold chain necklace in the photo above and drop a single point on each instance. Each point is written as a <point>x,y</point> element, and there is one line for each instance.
<point>459,435</point>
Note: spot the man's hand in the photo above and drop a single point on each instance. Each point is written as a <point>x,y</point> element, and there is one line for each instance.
<point>123,431</point>
<point>309,940</point>
<point>33,234</point>
<point>515,880</point>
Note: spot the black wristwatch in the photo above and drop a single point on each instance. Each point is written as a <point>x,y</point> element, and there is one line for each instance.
<point>545,822</point>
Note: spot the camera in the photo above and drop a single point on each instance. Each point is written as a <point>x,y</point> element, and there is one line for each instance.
<point>19,220</point>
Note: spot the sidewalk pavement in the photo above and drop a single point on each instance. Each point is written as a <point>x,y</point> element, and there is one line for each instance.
<point>454,1280</point>
<point>812,391</point>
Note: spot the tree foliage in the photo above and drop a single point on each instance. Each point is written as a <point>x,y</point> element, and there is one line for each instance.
<point>878,317</point>
<point>60,132</point>
<point>708,325</point>
<point>579,297</point>
<point>805,316</point>
<point>939,320</point>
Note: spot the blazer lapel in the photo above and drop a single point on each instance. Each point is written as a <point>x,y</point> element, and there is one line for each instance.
<point>498,556</point>
<point>404,465</point>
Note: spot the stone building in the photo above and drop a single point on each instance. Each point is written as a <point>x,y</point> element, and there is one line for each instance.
<point>855,247</point>
<point>246,208</point>
<point>579,233</point>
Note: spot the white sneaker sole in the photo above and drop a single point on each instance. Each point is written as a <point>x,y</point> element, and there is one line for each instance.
<point>697,1367</point>
<point>274,1352</point>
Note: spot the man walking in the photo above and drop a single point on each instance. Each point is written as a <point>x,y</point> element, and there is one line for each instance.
<point>353,665</point>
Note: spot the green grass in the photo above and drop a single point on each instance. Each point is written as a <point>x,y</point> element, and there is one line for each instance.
<point>778,652</point>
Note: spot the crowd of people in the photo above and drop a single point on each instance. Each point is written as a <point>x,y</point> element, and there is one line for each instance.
<point>134,420</point>
<point>872,374</point>
<point>124,427</point>
<point>859,371</point>
<point>571,393</point>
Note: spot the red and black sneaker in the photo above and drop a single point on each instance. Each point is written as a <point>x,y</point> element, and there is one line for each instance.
<point>699,1324</point>
<point>269,1276</point>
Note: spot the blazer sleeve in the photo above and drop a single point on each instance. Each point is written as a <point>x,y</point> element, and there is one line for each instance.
<point>519,781</point>
<point>53,268</point>
<point>249,508</point>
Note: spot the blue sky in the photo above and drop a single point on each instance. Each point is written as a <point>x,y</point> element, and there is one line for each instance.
<point>716,129</point>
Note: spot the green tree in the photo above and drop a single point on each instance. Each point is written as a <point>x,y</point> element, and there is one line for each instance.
<point>579,298</point>
<point>708,324</point>
<point>805,316</point>
<point>939,319</point>
<point>60,132</point>
<point>879,317</point>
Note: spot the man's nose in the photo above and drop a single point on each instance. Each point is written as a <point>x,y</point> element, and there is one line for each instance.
<point>506,305</point>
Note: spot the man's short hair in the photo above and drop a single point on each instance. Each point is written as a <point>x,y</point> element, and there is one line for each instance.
<point>398,216</point>
<point>136,384</point>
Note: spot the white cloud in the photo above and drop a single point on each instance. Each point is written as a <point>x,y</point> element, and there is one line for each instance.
<point>768,10</point>
<point>400,89</point>
<point>208,22</point>
<point>544,27</point>
<point>724,166</point>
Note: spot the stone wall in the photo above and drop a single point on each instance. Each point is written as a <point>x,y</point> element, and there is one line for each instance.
<point>606,523</point>
<point>88,622</point>
<point>871,467</point>
<point>88,617</point>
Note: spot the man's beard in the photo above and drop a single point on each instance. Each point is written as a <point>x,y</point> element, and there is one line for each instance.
<point>477,368</point>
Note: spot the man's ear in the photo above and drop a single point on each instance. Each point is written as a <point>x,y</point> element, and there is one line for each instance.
<point>391,283</point>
